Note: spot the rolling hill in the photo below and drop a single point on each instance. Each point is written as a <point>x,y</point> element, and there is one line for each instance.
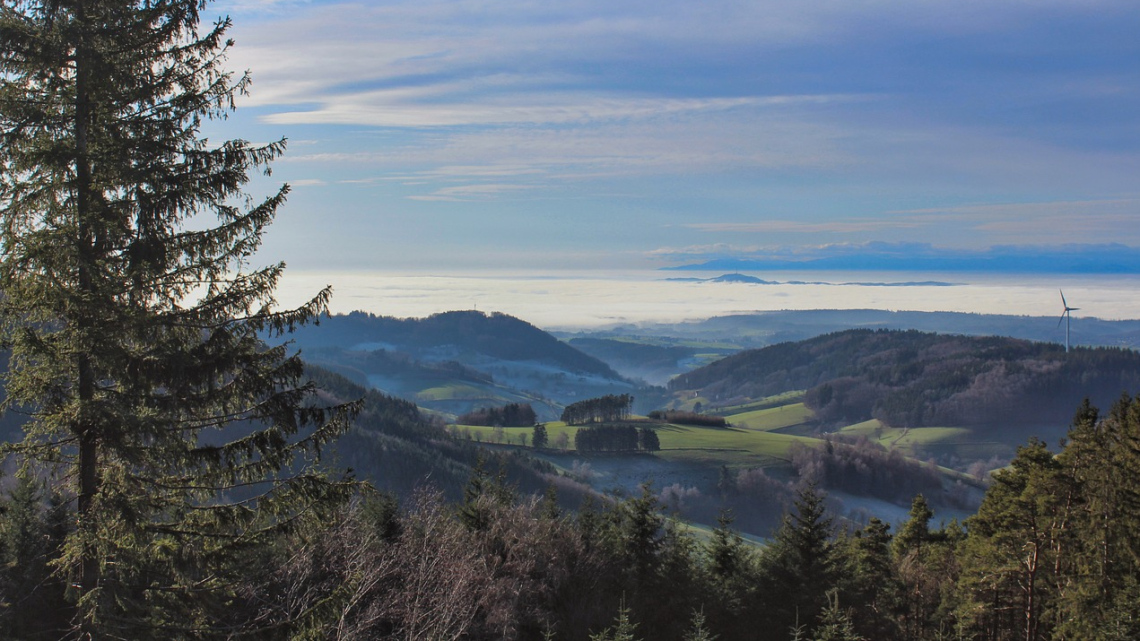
<point>462,336</point>
<point>917,379</point>
<point>721,335</point>
<point>458,361</point>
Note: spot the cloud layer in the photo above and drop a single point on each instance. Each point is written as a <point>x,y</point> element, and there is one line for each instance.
<point>673,123</point>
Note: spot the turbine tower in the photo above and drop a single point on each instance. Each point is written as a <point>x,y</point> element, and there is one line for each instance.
<point>1066,317</point>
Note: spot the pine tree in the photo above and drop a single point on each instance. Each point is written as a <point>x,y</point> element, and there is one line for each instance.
<point>539,440</point>
<point>916,530</point>
<point>1101,564</point>
<point>1009,562</point>
<point>622,629</point>
<point>697,630</point>
<point>31,599</point>
<point>731,578</point>
<point>870,586</point>
<point>800,565</point>
<point>834,623</point>
<point>134,319</point>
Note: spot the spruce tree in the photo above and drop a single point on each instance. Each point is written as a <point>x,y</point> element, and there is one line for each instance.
<point>1009,560</point>
<point>134,317</point>
<point>800,565</point>
<point>1102,563</point>
<point>32,602</point>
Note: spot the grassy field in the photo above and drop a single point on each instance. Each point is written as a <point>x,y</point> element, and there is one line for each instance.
<point>961,441</point>
<point>787,398</point>
<point>754,445</point>
<point>732,446</point>
<point>772,418</point>
<point>455,391</point>
<point>762,438</point>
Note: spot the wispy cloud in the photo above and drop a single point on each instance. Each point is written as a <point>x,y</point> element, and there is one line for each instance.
<point>796,227</point>
<point>1070,257</point>
<point>471,192</point>
<point>308,182</point>
<point>976,123</point>
<point>421,107</point>
<point>1089,221</point>
<point>988,211</point>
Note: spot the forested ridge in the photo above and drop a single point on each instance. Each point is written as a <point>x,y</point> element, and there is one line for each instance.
<point>913,379</point>
<point>496,334</point>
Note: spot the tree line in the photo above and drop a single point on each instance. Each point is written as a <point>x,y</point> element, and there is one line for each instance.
<point>616,438</point>
<point>608,408</point>
<point>682,417</point>
<point>509,415</point>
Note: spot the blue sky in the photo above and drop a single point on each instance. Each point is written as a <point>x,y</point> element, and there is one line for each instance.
<point>516,134</point>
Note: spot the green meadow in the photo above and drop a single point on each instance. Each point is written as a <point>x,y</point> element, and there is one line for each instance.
<point>772,418</point>
<point>759,434</point>
<point>787,398</point>
<point>455,391</point>
<point>961,441</point>
<point>752,441</point>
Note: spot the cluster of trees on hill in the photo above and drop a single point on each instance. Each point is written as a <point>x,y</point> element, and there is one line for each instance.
<point>616,438</point>
<point>914,379</point>
<point>682,417</point>
<point>608,408</point>
<point>509,415</point>
<point>866,469</point>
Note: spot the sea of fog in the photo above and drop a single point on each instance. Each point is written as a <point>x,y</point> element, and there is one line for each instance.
<point>584,299</point>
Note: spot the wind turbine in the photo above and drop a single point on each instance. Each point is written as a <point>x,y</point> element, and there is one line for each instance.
<point>1066,317</point>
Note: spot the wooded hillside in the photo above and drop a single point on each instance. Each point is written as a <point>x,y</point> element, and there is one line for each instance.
<point>910,378</point>
<point>446,335</point>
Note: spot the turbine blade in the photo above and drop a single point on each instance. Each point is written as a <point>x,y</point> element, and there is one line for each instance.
<point>1060,320</point>
<point>1063,299</point>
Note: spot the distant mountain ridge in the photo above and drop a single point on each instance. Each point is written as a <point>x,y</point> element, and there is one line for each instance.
<point>1112,258</point>
<point>765,328</point>
<point>753,280</point>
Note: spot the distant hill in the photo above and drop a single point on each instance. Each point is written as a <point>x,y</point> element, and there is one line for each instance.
<point>459,335</point>
<point>721,335</point>
<point>652,363</point>
<point>455,362</point>
<point>753,280</point>
<point>393,446</point>
<point>916,379</point>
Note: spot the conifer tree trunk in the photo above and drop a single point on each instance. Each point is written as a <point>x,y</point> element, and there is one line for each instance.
<point>85,387</point>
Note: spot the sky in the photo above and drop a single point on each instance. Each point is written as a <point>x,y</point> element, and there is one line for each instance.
<point>453,136</point>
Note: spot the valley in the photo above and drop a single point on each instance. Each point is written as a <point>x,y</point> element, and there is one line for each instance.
<point>897,411</point>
